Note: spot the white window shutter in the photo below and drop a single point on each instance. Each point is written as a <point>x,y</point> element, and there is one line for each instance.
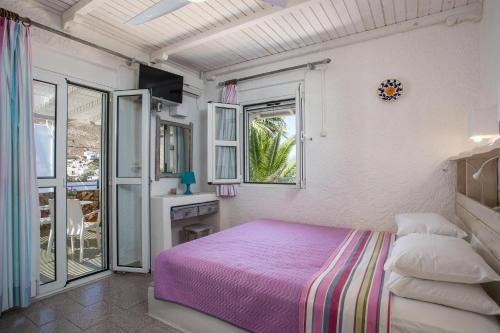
<point>223,143</point>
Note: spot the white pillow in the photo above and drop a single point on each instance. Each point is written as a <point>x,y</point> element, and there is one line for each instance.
<point>440,258</point>
<point>469,297</point>
<point>427,223</point>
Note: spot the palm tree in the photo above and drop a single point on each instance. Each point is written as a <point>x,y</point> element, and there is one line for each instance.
<point>269,151</point>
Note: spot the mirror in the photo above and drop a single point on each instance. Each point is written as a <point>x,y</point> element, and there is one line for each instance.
<point>173,148</point>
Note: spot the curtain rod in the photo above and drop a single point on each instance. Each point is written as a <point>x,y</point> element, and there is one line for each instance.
<point>310,65</point>
<point>28,22</point>
<point>15,17</point>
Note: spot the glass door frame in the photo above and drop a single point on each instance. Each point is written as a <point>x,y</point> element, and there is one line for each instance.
<point>59,181</point>
<point>104,174</point>
<point>144,180</point>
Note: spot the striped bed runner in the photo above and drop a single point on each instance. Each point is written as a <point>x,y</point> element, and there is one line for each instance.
<point>348,294</point>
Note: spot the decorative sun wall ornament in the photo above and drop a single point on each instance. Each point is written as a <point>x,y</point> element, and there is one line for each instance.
<point>390,89</point>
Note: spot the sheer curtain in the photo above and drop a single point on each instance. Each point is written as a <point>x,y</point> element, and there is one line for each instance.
<point>226,130</point>
<point>19,211</point>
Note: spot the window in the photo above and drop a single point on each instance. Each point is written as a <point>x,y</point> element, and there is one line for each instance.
<point>272,149</point>
<point>271,138</point>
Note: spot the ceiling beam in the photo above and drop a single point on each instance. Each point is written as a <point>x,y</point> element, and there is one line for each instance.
<point>226,29</point>
<point>82,7</point>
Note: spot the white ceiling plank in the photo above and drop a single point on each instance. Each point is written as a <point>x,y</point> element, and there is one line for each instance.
<point>226,29</point>
<point>257,36</point>
<point>298,29</point>
<point>224,11</point>
<point>334,17</point>
<point>82,7</point>
<point>245,46</point>
<point>378,13</point>
<point>265,33</point>
<point>344,16</point>
<point>400,10</point>
<point>448,4</point>
<point>288,30</point>
<point>436,6</point>
<point>424,8</point>
<point>411,9</point>
<point>270,28</point>
<point>316,24</point>
<point>389,14</point>
<point>366,14</point>
<point>460,3</point>
<point>300,25</point>
<point>355,14</point>
<point>244,7</point>
<point>252,48</point>
<point>322,17</point>
<point>307,26</point>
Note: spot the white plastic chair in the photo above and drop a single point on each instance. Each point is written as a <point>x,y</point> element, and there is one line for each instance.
<point>77,226</point>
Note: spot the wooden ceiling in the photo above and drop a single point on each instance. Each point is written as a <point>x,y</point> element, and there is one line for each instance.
<point>218,33</point>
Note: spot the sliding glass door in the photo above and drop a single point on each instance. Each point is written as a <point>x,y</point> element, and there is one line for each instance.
<point>70,139</point>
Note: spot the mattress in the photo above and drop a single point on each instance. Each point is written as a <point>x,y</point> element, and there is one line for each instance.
<point>411,316</point>
<point>251,275</point>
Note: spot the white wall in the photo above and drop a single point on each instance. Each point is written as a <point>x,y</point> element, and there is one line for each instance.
<point>487,112</point>
<point>378,158</point>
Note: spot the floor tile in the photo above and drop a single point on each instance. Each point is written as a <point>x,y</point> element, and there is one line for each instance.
<point>58,326</point>
<point>105,327</point>
<point>14,321</point>
<point>92,314</point>
<point>89,295</point>
<point>40,313</point>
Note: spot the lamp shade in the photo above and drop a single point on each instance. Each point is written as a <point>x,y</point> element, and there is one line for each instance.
<point>188,178</point>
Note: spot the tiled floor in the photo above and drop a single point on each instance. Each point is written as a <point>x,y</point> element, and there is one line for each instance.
<point>115,304</point>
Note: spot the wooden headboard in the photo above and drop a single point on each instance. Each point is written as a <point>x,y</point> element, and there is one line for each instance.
<point>483,223</point>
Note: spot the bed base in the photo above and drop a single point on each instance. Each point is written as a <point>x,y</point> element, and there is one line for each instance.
<point>186,319</point>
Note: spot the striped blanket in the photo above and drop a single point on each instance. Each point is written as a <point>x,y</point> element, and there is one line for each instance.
<point>348,294</point>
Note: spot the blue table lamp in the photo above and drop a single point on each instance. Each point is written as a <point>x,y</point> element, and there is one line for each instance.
<point>188,179</point>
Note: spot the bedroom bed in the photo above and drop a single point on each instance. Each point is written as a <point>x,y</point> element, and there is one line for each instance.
<point>272,276</point>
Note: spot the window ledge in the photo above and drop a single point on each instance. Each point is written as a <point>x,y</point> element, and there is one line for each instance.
<point>280,186</point>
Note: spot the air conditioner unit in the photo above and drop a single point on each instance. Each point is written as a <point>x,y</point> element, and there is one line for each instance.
<point>192,90</point>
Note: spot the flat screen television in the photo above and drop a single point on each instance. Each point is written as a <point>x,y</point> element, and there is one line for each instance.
<point>163,85</point>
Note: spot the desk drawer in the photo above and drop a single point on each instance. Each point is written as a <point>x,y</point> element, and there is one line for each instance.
<point>208,208</point>
<point>181,213</point>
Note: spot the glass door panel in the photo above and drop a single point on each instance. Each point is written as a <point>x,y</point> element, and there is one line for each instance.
<point>129,133</point>
<point>130,180</point>
<point>84,185</point>
<point>48,254</point>
<point>129,232</point>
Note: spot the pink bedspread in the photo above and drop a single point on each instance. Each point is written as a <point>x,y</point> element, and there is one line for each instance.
<point>251,275</point>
